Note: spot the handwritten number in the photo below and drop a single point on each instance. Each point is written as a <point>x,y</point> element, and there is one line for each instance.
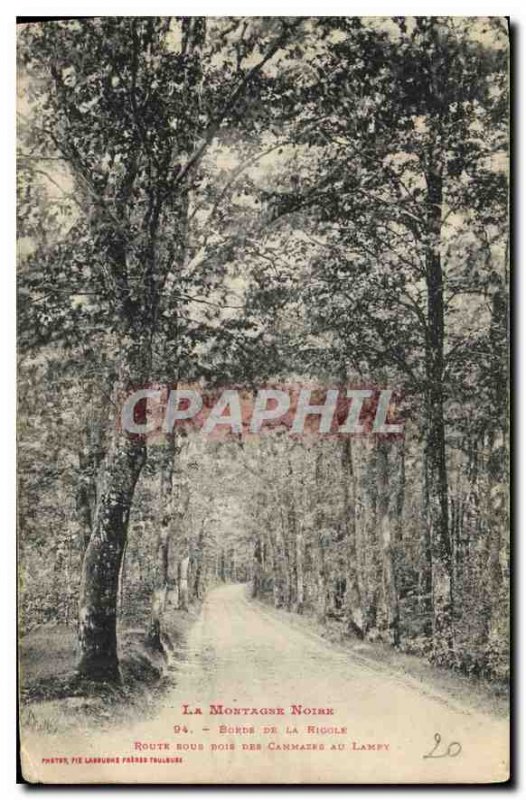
<point>431,753</point>
<point>453,749</point>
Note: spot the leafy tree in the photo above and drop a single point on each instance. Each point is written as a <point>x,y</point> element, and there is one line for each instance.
<point>132,105</point>
<point>413,155</point>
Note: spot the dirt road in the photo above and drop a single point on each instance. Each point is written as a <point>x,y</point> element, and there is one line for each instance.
<point>241,656</point>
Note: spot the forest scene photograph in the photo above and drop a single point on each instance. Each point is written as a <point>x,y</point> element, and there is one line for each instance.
<point>263,399</point>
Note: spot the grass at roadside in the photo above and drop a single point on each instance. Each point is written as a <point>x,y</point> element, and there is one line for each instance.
<point>51,697</point>
<point>472,693</point>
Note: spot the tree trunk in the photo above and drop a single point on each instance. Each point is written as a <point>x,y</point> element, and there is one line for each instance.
<point>300,583</point>
<point>90,457</point>
<point>200,560</point>
<point>282,561</point>
<point>274,563</point>
<point>163,547</point>
<point>291,534</point>
<point>321,545</point>
<point>373,577</point>
<point>425,578</point>
<point>103,559</point>
<point>390,588</point>
<point>184,564</point>
<point>257,569</point>
<point>99,589</point>
<point>498,465</point>
<point>437,488</point>
<point>353,600</point>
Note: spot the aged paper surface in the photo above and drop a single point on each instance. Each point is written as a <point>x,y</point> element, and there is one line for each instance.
<point>263,400</point>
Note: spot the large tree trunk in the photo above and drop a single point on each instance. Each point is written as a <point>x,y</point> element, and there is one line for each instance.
<point>99,589</point>
<point>163,547</point>
<point>103,559</point>
<point>435,457</point>
<point>90,457</point>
